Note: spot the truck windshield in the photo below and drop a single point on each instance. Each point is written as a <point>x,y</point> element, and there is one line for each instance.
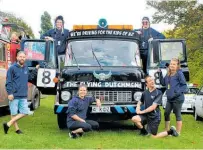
<point>108,52</point>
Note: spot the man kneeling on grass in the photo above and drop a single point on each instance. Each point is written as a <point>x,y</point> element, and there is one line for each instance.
<point>151,98</point>
<point>77,111</point>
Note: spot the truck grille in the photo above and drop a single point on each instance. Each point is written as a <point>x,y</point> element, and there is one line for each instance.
<point>110,96</point>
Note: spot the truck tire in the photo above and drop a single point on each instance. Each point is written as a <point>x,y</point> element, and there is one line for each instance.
<point>35,99</point>
<point>61,118</point>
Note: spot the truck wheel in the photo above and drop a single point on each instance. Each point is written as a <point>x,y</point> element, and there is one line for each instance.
<point>35,99</point>
<point>197,118</point>
<point>61,118</point>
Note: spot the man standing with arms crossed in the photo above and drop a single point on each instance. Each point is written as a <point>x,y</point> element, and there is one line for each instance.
<point>17,88</point>
<point>151,115</point>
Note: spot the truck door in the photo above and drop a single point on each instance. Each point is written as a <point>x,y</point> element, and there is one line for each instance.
<point>3,71</point>
<point>161,51</point>
<point>42,53</point>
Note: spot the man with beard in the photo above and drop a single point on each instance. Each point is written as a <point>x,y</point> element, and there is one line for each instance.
<point>147,34</point>
<point>17,89</point>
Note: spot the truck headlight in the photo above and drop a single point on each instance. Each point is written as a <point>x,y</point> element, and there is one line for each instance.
<point>137,96</point>
<point>65,95</point>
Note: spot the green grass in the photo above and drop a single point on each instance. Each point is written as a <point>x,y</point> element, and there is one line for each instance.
<point>41,131</point>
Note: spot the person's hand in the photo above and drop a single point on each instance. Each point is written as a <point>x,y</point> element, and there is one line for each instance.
<point>47,38</point>
<point>138,112</point>
<point>37,67</point>
<point>98,103</point>
<point>83,121</point>
<point>10,97</point>
<point>139,32</point>
<point>150,39</point>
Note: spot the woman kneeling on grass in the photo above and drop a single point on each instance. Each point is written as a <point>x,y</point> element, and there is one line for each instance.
<point>77,111</point>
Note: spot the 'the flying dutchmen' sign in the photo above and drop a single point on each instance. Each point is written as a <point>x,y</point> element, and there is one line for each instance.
<point>105,84</point>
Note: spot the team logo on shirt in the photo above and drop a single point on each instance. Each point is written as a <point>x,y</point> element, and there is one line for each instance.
<point>152,97</point>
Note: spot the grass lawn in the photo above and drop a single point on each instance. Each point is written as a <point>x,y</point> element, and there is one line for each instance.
<point>41,131</point>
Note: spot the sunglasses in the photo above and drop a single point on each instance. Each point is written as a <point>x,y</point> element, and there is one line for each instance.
<point>145,22</point>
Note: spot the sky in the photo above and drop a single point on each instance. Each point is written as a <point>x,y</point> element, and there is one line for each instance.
<point>82,12</point>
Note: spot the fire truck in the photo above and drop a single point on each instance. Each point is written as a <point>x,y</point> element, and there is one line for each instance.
<point>107,59</point>
<point>7,57</point>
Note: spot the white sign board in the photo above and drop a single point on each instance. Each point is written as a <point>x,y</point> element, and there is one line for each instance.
<point>45,77</point>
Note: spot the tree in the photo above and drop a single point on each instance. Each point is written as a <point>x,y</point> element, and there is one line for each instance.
<point>187,16</point>
<point>45,22</point>
<point>19,21</point>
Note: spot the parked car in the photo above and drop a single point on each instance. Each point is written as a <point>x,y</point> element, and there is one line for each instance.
<point>198,106</point>
<point>189,102</point>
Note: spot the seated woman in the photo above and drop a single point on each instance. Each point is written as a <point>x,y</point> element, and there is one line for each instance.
<point>77,111</point>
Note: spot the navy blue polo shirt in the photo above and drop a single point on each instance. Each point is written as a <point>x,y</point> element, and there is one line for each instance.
<point>148,99</point>
<point>79,107</point>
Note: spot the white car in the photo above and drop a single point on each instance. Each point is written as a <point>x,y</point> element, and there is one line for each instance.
<point>189,102</point>
<point>198,107</point>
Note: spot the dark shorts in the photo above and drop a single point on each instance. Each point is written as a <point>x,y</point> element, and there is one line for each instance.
<point>152,125</point>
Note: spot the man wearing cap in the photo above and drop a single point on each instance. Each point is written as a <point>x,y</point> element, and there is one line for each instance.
<point>58,35</point>
<point>147,34</point>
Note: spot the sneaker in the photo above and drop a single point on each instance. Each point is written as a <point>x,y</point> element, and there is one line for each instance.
<point>79,134</point>
<point>31,113</point>
<point>19,132</point>
<point>6,127</point>
<point>175,133</point>
<point>72,135</point>
<point>143,132</point>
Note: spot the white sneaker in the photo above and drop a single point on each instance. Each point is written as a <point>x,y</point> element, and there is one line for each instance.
<point>31,113</point>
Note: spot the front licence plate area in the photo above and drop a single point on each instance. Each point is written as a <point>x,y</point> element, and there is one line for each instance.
<point>102,109</point>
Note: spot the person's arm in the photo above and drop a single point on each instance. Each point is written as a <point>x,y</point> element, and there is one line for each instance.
<point>156,102</point>
<point>138,31</point>
<point>161,78</point>
<point>183,85</point>
<point>47,35</point>
<point>92,99</point>
<point>76,118</point>
<point>72,109</point>
<point>139,104</point>
<point>9,84</point>
<point>157,35</point>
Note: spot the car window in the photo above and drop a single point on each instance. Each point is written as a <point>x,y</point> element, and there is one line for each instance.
<point>192,90</point>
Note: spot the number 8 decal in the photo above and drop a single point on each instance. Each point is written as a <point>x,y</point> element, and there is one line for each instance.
<point>46,77</point>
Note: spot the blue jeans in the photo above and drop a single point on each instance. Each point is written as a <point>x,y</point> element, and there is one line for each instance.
<point>18,105</point>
